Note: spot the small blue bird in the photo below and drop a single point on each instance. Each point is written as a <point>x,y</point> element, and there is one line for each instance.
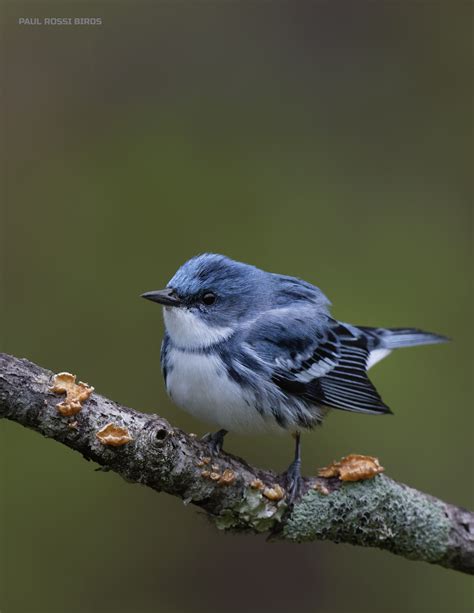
<point>250,350</point>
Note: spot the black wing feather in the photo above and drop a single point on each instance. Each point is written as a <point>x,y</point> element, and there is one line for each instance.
<point>343,385</point>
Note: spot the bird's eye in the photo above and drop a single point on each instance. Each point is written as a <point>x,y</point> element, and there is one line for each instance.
<point>209,298</point>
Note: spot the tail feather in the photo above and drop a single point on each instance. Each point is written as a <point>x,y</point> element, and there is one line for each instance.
<point>393,338</point>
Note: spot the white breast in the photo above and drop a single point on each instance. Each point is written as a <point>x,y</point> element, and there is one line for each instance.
<point>199,384</point>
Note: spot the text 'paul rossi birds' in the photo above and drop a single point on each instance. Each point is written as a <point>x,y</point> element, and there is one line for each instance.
<point>60,21</point>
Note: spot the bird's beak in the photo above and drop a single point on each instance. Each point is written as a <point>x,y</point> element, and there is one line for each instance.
<point>167,297</point>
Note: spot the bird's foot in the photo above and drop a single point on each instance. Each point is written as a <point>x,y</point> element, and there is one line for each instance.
<point>293,482</point>
<point>215,440</point>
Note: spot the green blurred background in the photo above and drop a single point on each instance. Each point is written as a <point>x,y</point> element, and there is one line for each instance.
<point>325,140</point>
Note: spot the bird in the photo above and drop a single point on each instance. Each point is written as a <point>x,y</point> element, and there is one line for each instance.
<point>250,350</point>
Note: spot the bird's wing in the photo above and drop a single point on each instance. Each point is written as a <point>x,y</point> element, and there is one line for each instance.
<point>318,359</point>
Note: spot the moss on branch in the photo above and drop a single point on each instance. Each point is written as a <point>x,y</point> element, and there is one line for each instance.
<point>146,449</point>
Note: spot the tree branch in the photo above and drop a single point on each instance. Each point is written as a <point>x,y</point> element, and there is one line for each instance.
<point>377,513</point>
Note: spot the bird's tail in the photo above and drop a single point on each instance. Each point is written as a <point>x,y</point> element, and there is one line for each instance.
<point>393,338</point>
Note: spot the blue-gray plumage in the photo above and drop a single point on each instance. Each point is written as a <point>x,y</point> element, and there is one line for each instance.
<point>251,350</point>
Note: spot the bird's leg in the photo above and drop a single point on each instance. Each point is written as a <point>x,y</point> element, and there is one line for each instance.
<point>293,474</point>
<point>215,440</point>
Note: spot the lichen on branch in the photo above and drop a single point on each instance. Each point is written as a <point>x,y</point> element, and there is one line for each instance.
<point>146,449</point>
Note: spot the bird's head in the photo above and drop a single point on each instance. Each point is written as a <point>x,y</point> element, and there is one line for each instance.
<point>208,297</point>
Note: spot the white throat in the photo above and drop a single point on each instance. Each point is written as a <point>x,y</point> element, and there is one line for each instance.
<point>188,331</point>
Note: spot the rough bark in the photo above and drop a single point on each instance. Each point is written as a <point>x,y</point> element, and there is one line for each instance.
<point>378,512</point>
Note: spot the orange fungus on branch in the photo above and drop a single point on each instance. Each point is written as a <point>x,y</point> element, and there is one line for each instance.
<point>76,393</point>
